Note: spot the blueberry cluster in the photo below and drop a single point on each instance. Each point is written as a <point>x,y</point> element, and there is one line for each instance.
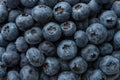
<point>59,39</point>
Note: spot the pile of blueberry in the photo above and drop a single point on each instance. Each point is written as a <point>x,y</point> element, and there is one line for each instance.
<point>59,39</point>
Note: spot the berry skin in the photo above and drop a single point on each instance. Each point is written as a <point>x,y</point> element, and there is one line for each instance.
<point>115,7</point>
<point>110,34</point>
<point>43,76</point>
<point>13,75</point>
<point>50,3</point>
<point>82,25</point>
<point>94,7</point>
<point>11,47</point>
<point>113,77</point>
<point>42,13</point>
<point>77,11</point>
<point>67,49</point>
<point>10,58</point>
<point>97,33</point>
<point>108,19</point>
<point>21,44</point>
<point>90,52</point>
<point>117,39</point>
<point>116,54</point>
<point>35,57</point>
<point>51,66</point>
<point>78,65</point>
<point>64,65</point>
<point>106,48</point>
<point>62,11</point>
<point>94,20</point>
<point>33,36</point>
<point>2,50</point>
<point>12,3</point>
<point>3,13</point>
<point>2,72</point>
<point>81,38</point>
<point>28,11</point>
<point>110,65</point>
<point>13,15</point>
<point>3,42</point>
<point>29,73</point>
<point>71,2</point>
<point>102,1</point>
<point>52,31</point>
<point>24,21</point>
<point>47,48</point>
<point>10,31</point>
<point>95,75</point>
<point>67,75</point>
<point>68,28</point>
<point>23,61</point>
<point>28,3</point>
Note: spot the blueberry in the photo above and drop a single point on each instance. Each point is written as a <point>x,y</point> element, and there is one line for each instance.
<point>68,28</point>
<point>54,77</point>
<point>35,57</point>
<point>94,7</point>
<point>28,3</point>
<point>52,31</point>
<point>113,77</point>
<point>10,58</point>
<point>24,21</point>
<point>67,49</point>
<point>23,60</point>
<point>13,75</point>
<point>82,25</point>
<point>13,15</point>
<point>102,1</point>
<point>43,76</point>
<point>117,39</point>
<point>64,65</point>
<point>97,33</point>
<point>90,52</point>
<point>94,20</point>
<point>2,50</point>
<point>28,11</point>
<point>81,38</point>
<point>80,11</point>
<point>42,13</point>
<point>67,75</point>
<point>33,36</point>
<point>12,3</point>
<point>115,7</point>
<point>3,42</point>
<point>78,65</point>
<point>2,72</point>
<point>116,54</point>
<point>29,73</point>
<point>3,13</point>
<point>108,19</point>
<point>62,11</point>
<point>11,47</point>
<point>71,2</point>
<point>10,31</point>
<point>110,65</point>
<point>50,3</point>
<point>95,75</point>
<point>51,66</point>
<point>106,48</point>
<point>47,48</point>
<point>21,44</point>
<point>85,1</point>
<point>110,34</point>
